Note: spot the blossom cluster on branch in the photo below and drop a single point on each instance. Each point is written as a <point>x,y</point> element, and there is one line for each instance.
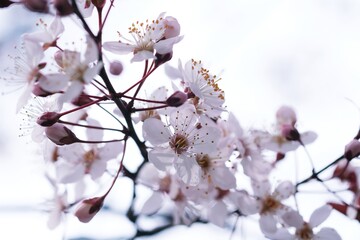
<point>195,155</point>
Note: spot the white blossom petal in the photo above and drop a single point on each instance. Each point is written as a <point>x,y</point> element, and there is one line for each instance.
<point>162,158</point>
<point>218,213</point>
<point>153,204</point>
<point>293,218</point>
<point>319,215</point>
<point>284,190</point>
<point>155,132</point>
<point>188,170</point>
<point>327,234</point>
<point>267,223</point>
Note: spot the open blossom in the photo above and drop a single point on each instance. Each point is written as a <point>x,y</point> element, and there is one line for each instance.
<point>305,230</point>
<point>176,145</point>
<point>26,71</point>
<point>49,35</point>
<point>201,86</point>
<point>268,204</point>
<point>79,70</point>
<point>149,37</point>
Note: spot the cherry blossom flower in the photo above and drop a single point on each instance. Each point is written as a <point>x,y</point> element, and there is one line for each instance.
<point>76,161</point>
<point>26,72</point>
<point>305,230</point>
<point>177,144</point>
<point>148,37</point>
<point>268,205</point>
<point>49,35</point>
<point>88,208</point>
<point>166,186</point>
<point>214,172</point>
<point>86,7</point>
<point>78,71</point>
<point>33,110</point>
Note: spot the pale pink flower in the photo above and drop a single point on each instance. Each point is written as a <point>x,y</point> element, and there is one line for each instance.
<point>268,204</point>
<point>305,230</point>
<point>148,38</point>
<point>49,35</point>
<point>177,144</point>
<point>79,70</point>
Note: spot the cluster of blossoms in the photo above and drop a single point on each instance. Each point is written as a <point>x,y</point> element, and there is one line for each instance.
<point>195,154</point>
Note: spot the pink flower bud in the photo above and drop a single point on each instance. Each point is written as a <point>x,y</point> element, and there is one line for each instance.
<point>116,68</point>
<point>177,99</point>
<point>37,5</point>
<point>352,149</point>
<point>89,208</point>
<point>48,119</point>
<point>39,91</point>
<point>81,100</point>
<point>63,7</point>
<point>60,135</point>
<point>162,58</point>
<point>286,115</point>
<point>99,3</point>
<point>172,27</point>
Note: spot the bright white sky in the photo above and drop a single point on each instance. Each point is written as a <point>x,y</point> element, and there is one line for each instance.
<point>301,53</point>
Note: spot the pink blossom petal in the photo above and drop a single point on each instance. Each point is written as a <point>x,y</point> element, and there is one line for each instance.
<point>162,158</point>
<point>118,47</point>
<point>153,204</point>
<point>53,82</point>
<point>56,27</point>
<point>110,150</point>
<point>218,213</point>
<point>223,178</point>
<point>327,234</point>
<point>248,205</point>
<point>166,46</point>
<point>284,190</point>
<point>92,133</point>
<point>267,224</point>
<point>320,215</point>
<point>308,137</point>
<point>97,169</point>
<point>293,218</point>
<point>188,170</point>
<point>155,132</point>
<point>142,55</point>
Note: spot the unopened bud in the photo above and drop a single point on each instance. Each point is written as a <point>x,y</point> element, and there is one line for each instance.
<point>39,91</point>
<point>352,149</point>
<point>48,119</point>
<point>116,68</point>
<point>37,5</point>
<point>63,7</point>
<point>60,135</point>
<point>286,115</point>
<point>81,100</point>
<point>89,208</point>
<point>177,99</point>
<point>162,58</point>
<point>5,3</point>
<point>99,3</point>
<point>172,27</point>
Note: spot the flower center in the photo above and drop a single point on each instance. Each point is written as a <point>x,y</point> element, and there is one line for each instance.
<point>89,158</point>
<point>179,143</point>
<point>305,233</point>
<point>203,161</point>
<point>269,204</point>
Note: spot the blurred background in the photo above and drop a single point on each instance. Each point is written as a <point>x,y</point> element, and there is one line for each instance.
<point>305,54</point>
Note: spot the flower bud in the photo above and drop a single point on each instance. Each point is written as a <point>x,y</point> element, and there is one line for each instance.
<point>99,3</point>
<point>352,149</point>
<point>63,7</point>
<point>172,27</point>
<point>286,115</point>
<point>39,91</point>
<point>116,68</point>
<point>177,99</point>
<point>5,3</point>
<point>162,58</point>
<point>81,100</point>
<point>89,208</point>
<point>40,6</point>
<point>60,135</point>
<point>48,119</point>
